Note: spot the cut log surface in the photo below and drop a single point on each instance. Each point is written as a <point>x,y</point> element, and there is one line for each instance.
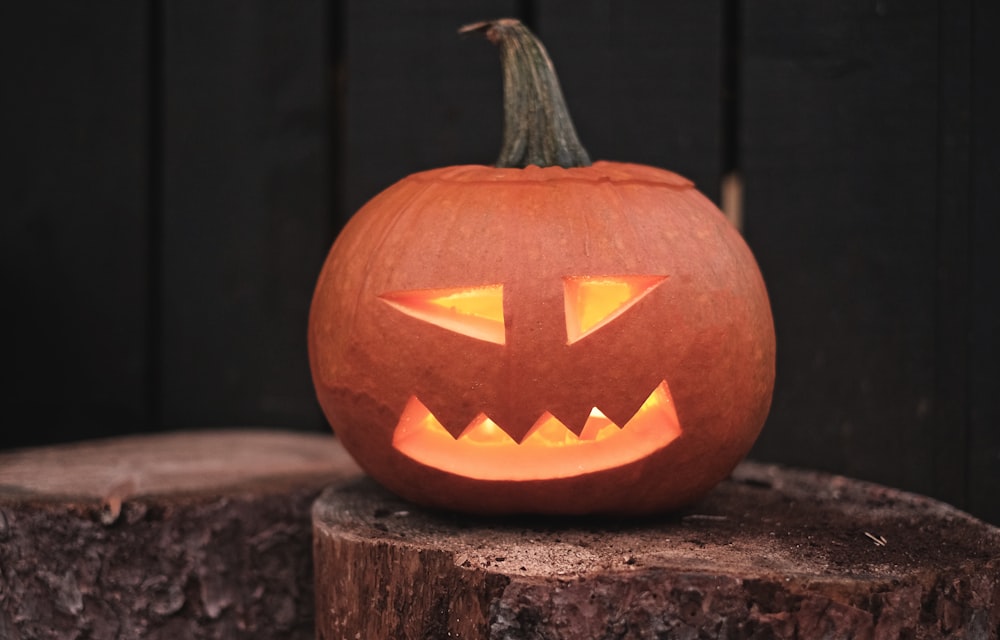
<point>770,553</point>
<point>180,535</point>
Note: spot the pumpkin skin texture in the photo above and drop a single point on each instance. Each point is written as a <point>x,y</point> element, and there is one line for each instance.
<point>702,329</point>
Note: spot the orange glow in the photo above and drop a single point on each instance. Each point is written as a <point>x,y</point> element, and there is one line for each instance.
<point>598,426</point>
<point>482,430</point>
<point>484,451</point>
<point>476,312</point>
<point>593,302</point>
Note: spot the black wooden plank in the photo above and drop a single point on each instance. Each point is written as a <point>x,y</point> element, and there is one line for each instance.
<point>950,437</point>
<point>245,215</point>
<point>419,95</point>
<point>73,234</point>
<point>984,437</point>
<point>840,137</point>
<point>643,80</point>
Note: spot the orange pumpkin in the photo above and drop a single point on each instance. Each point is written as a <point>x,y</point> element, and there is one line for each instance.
<point>589,338</point>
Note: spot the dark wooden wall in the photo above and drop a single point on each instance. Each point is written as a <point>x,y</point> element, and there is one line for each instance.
<point>176,170</point>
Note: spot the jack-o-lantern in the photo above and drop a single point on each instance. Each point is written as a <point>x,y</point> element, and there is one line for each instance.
<point>547,335</point>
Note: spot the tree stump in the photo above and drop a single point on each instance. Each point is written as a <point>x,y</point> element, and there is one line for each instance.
<point>770,553</point>
<point>182,535</point>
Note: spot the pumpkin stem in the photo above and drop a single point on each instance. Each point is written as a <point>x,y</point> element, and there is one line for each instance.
<point>537,129</point>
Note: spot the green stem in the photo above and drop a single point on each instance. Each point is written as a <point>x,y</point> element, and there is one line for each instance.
<point>537,129</point>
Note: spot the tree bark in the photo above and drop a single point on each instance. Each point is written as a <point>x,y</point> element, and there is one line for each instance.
<point>182,535</point>
<point>770,553</point>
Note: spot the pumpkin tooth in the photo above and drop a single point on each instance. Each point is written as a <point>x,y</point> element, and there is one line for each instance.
<point>549,431</point>
<point>621,418</point>
<point>598,426</point>
<point>620,408</point>
<point>482,430</point>
<point>456,420</point>
<point>417,422</point>
<point>517,420</point>
<point>574,417</point>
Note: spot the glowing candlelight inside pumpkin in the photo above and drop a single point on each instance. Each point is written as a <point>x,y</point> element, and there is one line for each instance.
<point>593,302</point>
<point>485,451</point>
<point>476,312</point>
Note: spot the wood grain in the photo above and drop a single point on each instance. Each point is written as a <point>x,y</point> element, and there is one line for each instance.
<point>179,535</point>
<point>771,553</point>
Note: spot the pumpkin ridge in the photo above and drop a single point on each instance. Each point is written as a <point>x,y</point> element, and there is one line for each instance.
<point>626,222</point>
<point>387,231</point>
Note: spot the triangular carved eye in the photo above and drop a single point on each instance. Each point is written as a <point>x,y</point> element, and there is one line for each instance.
<point>476,312</point>
<point>594,301</point>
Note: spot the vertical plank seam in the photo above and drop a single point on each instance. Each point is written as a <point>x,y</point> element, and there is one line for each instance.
<point>155,92</point>
<point>730,178</point>
<point>968,480</point>
<point>336,98</point>
<point>981,479</point>
<point>732,45</point>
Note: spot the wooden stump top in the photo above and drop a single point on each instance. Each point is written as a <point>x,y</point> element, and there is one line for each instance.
<point>769,553</point>
<point>171,464</point>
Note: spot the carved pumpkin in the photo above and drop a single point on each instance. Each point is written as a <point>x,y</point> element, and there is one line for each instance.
<point>588,338</point>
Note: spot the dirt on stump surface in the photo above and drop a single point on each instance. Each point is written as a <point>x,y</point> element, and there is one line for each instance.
<point>180,535</point>
<point>770,553</point>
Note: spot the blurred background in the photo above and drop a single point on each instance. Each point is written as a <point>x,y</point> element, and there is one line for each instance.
<point>177,170</point>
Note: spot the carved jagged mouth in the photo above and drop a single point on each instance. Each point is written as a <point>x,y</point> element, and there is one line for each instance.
<point>484,451</point>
